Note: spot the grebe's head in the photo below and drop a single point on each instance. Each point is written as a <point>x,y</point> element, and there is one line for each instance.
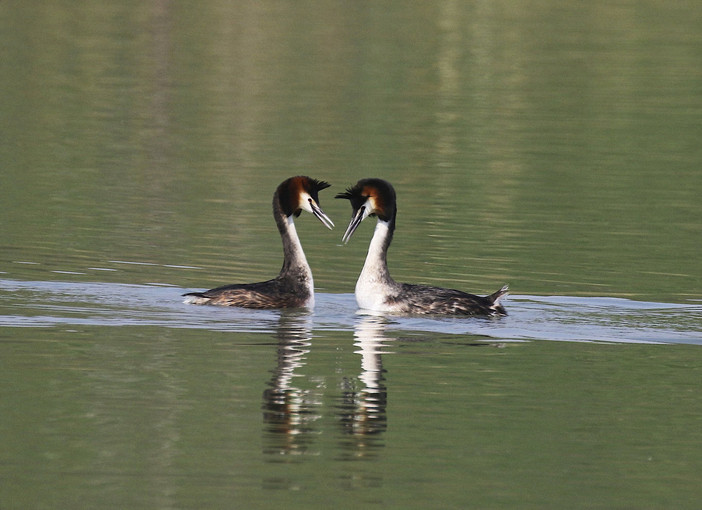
<point>369,197</point>
<point>301,193</point>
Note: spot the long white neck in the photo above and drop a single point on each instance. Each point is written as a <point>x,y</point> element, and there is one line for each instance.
<point>292,247</point>
<point>295,264</point>
<point>374,281</point>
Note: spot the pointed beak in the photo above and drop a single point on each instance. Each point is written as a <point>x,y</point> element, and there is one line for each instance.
<point>355,222</point>
<point>317,211</point>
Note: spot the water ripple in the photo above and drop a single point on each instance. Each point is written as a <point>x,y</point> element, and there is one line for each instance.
<point>42,304</point>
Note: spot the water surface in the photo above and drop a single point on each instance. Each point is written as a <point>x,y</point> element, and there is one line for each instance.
<point>553,146</point>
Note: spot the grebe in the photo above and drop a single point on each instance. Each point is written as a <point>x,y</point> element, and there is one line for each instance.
<point>375,288</point>
<point>294,286</point>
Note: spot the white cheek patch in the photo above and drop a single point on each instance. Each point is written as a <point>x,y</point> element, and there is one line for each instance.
<point>369,207</point>
<point>305,202</point>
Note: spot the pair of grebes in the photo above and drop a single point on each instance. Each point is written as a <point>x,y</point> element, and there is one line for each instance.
<point>375,288</point>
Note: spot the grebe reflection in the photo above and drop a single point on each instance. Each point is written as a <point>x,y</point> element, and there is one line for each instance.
<point>289,410</point>
<point>362,411</point>
<point>293,402</point>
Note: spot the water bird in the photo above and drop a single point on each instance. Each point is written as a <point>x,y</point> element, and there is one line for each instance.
<point>375,288</point>
<point>294,286</point>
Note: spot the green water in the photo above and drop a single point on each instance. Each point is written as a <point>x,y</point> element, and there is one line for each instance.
<point>550,145</point>
<point>142,418</point>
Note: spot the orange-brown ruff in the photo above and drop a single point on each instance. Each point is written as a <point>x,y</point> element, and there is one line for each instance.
<point>294,286</point>
<point>375,288</point>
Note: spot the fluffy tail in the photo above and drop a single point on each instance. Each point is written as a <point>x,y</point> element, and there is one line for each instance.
<point>495,298</point>
<point>195,298</point>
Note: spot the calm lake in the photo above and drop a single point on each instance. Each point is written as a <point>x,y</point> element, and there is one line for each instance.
<point>553,146</point>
